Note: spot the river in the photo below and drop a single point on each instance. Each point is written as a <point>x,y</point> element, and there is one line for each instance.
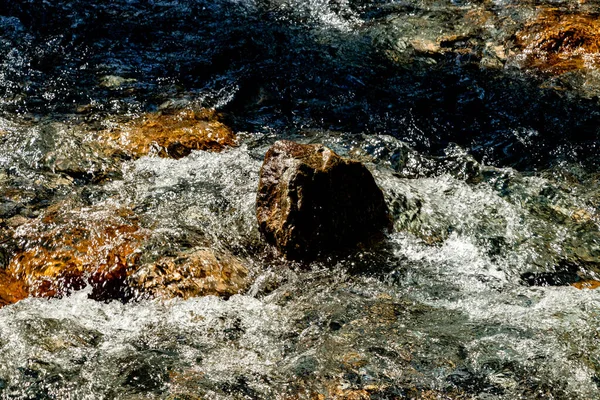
<point>478,119</point>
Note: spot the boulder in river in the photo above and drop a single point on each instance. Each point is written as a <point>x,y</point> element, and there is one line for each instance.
<point>310,200</point>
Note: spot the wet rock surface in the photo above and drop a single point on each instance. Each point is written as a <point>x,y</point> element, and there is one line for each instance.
<point>558,42</point>
<point>312,201</point>
<point>11,289</point>
<point>173,134</point>
<point>67,249</point>
<point>195,273</point>
<point>71,247</point>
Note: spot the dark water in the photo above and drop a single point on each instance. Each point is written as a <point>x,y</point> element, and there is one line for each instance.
<point>490,168</point>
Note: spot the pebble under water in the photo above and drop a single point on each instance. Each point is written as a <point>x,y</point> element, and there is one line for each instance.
<point>478,119</point>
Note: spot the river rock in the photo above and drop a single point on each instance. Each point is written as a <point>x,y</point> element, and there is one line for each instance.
<point>71,151</point>
<point>199,272</point>
<point>69,247</point>
<point>559,42</point>
<point>310,200</point>
<point>172,135</point>
<point>11,289</point>
<point>586,284</point>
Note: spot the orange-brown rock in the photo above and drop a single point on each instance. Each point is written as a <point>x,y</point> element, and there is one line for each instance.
<point>11,289</point>
<point>70,247</point>
<point>196,273</point>
<point>310,200</point>
<point>425,45</point>
<point>559,42</point>
<point>478,17</point>
<point>586,284</point>
<point>170,135</point>
<point>67,249</point>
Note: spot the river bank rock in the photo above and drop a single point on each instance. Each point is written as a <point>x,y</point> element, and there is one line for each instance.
<point>310,200</point>
<point>172,135</point>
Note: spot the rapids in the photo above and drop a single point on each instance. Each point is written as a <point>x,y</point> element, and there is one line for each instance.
<point>487,157</point>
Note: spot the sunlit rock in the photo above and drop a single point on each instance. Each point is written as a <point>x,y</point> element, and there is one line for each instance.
<point>69,248</point>
<point>66,250</point>
<point>559,42</point>
<point>11,289</point>
<point>170,135</point>
<point>311,200</point>
<point>586,284</point>
<point>425,45</point>
<point>196,273</point>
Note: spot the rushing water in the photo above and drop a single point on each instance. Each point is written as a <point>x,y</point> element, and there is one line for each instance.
<point>489,167</point>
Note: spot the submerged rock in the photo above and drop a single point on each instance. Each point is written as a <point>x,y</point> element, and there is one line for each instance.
<point>114,82</point>
<point>170,135</point>
<point>311,200</point>
<point>67,249</point>
<point>71,247</point>
<point>565,273</point>
<point>559,42</point>
<point>197,273</point>
<point>71,151</point>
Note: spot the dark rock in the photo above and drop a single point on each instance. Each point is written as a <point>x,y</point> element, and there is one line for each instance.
<point>9,208</point>
<point>310,200</point>
<point>564,274</point>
